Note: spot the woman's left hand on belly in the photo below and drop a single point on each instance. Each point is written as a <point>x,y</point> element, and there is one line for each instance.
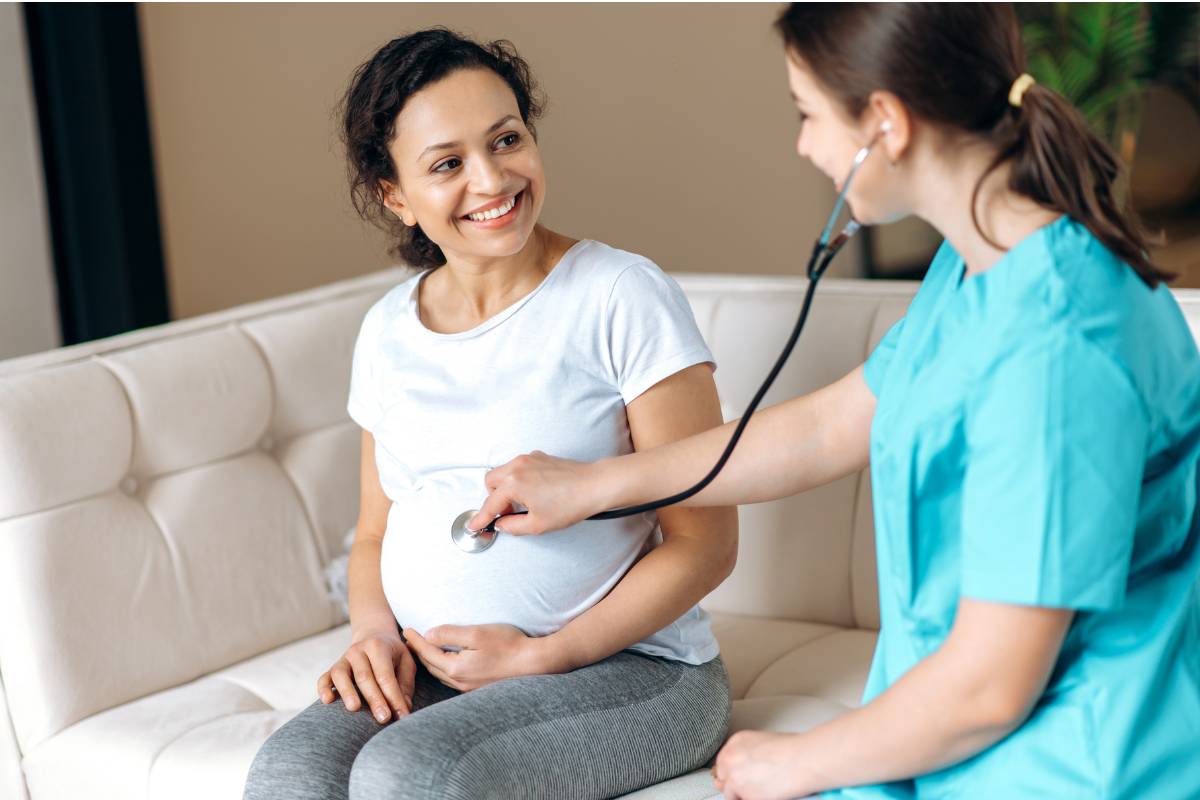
<point>466,657</point>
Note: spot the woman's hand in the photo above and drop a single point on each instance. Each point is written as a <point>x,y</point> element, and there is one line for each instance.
<point>557,491</point>
<point>757,765</point>
<point>485,654</point>
<point>379,665</point>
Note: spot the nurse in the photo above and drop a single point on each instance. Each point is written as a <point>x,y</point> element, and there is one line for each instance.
<point>1032,428</point>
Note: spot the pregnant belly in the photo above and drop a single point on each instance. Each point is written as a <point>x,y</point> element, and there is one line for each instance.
<point>537,583</point>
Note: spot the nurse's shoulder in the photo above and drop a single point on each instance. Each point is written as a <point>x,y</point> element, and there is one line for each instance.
<point>1102,301</point>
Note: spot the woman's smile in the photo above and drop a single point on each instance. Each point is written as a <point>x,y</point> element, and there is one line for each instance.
<point>497,214</point>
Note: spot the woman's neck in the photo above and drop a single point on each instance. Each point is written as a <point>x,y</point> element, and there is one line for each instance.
<point>1003,215</point>
<point>466,291</point>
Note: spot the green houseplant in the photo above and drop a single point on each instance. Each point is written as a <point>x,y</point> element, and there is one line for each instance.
<point>1101,57</point>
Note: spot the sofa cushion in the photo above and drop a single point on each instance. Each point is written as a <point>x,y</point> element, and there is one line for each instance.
<point>194,399</point>
<point>191,741</point>
<point>55,449</point>
<point>302,348</point>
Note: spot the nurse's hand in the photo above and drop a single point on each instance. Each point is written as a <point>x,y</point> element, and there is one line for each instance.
<point>557,491</point>
<point>486,654</point>
<point>379,665</point>
<point>757,765</point>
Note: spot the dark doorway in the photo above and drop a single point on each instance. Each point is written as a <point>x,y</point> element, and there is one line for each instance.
<point>91,104</point>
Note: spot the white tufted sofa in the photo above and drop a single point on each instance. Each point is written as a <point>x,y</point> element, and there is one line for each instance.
<point>170,497</point>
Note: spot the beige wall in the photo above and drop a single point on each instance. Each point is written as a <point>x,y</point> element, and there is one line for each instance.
<point>28,307</point>
<point>669,132</point>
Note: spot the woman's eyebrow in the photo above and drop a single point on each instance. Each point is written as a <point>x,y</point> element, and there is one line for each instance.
<point>450,145</point>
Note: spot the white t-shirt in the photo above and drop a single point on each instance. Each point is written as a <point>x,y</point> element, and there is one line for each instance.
<point>552,372</point>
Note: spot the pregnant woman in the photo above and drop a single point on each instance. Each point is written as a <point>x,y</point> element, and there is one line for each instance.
<point>573,665</point>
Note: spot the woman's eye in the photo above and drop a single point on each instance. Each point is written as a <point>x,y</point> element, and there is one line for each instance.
<point>802,117</point>
<point>508,139</point>
<point>447,165</point>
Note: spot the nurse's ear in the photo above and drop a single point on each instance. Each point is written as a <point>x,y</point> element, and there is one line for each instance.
<point>891,119</point>
<point>394,201</point>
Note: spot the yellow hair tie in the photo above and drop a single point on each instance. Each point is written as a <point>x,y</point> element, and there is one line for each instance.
<point>1023,82</point>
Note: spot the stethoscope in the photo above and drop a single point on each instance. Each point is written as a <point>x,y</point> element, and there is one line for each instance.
<point>823,252</point>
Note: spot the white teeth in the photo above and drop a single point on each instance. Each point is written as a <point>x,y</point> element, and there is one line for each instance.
<point>498,211</point>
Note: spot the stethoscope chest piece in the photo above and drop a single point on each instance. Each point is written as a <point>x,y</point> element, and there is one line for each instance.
<point>468,540</point>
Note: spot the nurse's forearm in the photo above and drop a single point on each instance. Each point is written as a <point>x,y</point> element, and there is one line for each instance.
<point>667,582</point>
<point>788,448</point>
<point>921,724</point>
<point>976,689</point>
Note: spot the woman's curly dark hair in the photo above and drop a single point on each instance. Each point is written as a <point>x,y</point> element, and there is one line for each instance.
<point>378,91</point>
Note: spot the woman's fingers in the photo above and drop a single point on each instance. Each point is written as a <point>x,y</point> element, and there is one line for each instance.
<point>386,679</point>
<point>364,679</point>
<point>343,681</point>
<point>406,674</point>
<point>457,637</point>
<point>325,689</point>
<point>440,664</point>
<point>382,658</point>
<point>432,656</point>
<point>444,674</point>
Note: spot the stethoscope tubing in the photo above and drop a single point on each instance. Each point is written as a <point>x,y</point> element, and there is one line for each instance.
<point>823,252</point>
<point>821,256</point>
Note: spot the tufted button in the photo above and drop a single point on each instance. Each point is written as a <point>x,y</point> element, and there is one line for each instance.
<point>267,443</point>
<point>129,485</point>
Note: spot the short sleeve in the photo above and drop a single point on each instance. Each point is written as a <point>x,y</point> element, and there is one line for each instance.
<point>652,333</point>
<point>876,367</point>
<point>944,269</point>
<point>1056,439</point>
<point>363,404</point>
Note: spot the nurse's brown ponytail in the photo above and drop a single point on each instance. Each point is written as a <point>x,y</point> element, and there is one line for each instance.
<point>954,64</point>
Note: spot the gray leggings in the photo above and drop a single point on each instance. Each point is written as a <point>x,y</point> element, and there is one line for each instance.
<point>615,726</point>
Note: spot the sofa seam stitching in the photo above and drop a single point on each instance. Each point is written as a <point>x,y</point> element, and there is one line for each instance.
<point>158,753</point>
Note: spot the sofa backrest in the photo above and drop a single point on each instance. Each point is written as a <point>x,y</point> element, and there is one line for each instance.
<point>168,499</point>
<point>809,557</point>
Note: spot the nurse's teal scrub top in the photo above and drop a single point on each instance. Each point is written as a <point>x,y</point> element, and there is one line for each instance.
<point>1035,442</point>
